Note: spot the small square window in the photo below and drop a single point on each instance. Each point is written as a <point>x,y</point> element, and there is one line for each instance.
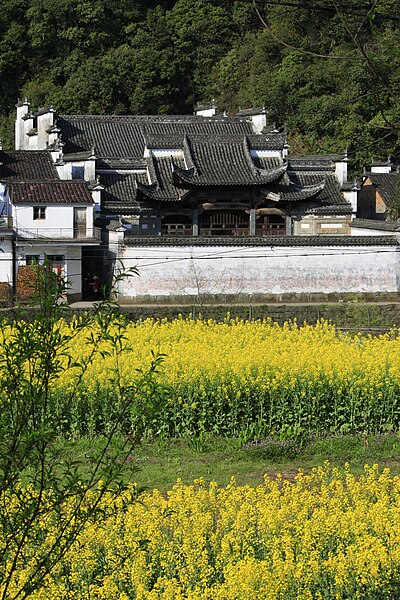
<point>55,258</point>
<point>32,259</point>
<point>39,212</point>
<point>78,172</point>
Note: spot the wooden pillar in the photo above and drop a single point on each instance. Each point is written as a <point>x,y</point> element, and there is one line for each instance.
<point>288,225</point>
<point>195,222</point>
<point>158,224</point>
<point>252,222</point>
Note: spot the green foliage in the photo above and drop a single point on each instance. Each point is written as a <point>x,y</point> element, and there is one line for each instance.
<point>162,460</point>
<point>394,208</point>
<point>36,479</point>
<point>333,76</point>
<point>226,405</point>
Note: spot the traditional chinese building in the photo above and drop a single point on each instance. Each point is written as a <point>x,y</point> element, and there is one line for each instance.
<point>196,175</point>
<point>214,205</point>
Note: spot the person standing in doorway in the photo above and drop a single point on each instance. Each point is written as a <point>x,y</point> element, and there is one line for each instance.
<point>96,288</point>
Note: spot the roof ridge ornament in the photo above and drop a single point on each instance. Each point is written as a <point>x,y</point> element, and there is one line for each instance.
<point>246,146</point>
<point>187,154</point>
<point>180,175</point>
<point>264,175</point>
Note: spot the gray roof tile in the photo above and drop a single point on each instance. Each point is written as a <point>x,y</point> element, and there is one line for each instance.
<point>330,194</point>
<point>20,165</point>
<point>226,161</point>
<point>270,241</point>
<point>375,224</point>
<point>50,192</point>
<point>120,192</point>
<point>216,152</point>
<point>116,136</point>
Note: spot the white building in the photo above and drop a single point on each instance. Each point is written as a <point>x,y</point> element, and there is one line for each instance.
<point>202,204</point>
<point>47,220</point>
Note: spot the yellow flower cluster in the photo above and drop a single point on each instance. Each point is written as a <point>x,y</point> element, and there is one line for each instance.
<point>223,377</point>
<point>328,535</point>
<point>244,348</point>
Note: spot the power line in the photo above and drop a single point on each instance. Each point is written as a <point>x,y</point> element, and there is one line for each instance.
<point>360,10</point>
<point>277,253</point>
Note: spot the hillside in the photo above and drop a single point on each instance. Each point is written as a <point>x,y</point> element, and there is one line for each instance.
<point>329,69</point>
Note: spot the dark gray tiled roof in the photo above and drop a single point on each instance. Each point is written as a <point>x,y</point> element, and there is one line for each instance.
<point>270,241</point>
<point>196,125</point>
<point>50,192</point>
<point>332,209</point>
<point>382,163</point>
<point>124,136</point>
<point>314,207</point>
<point>388,184</point>
<point>120,192</point>
<point>226,161</point>
<point>252,111</point>
<point>216,153</point>
<point>329,195</point>
<point>28,165</point>
<point>267,141</point>
<point>165,189</point>
<point>169,141</point>
<point>319,182</point>
<point>348,186</point>
<point>112,137</point>
<point>124,190</point>
<point>267,162</point>
<point>313,162</point>
<point>123,163</point>
<point>375,224</point>
<point>295,193</point>
<point>77,156</point>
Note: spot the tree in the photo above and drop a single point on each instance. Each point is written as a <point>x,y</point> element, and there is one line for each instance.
<point>37,490</point>
<point>353,44</point>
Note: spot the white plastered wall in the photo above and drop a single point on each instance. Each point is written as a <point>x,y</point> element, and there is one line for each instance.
<point>59,221</point>
<point>249,271</point>
<point>72,268</point>
<point>6,259</point>
<point>64,169</point>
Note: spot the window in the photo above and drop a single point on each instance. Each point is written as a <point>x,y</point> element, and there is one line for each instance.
<point>55,263</point>
<point>39,212</point>
<point>78,172</point>
<point>32,259</point>
<point>54,259</point>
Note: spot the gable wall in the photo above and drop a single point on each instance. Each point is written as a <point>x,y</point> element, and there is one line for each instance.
<point>370,202</point>
<point>380,205</point>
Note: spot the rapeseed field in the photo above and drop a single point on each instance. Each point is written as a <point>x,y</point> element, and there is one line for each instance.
<point>327,535</point>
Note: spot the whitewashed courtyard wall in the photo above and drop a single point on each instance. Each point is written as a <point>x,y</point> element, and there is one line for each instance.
<point>258,272</point>
<point>6,258</point>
